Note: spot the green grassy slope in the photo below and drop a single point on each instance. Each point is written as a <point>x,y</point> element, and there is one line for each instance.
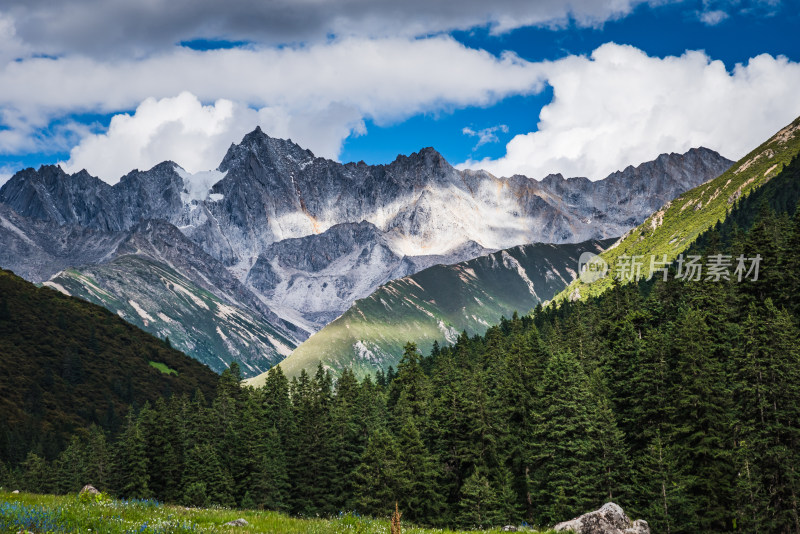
<point>66,363</point>
<point>196,321</point>
<point>674,227</point>
<point>437,304</point>
<point>48,513</point>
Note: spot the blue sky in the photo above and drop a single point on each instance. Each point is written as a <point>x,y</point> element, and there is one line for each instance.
<point>527,87</point>
<point>661,31</point>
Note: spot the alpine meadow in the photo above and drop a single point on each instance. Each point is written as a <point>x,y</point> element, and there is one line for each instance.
<point>440,267</point>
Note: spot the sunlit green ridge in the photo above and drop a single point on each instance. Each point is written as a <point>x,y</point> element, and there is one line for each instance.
<point>675,226</point>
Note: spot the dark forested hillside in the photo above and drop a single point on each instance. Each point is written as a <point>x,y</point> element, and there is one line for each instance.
<point>66,364</point>
<point>677,399</point>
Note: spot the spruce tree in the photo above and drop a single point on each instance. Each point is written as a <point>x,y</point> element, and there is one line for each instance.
<point>377,478</point>
<point>36,476</point>
<point>131,464</point>
<point>206,478</point>
<point>479,507</point>
<point>417,477</point>
<point>701,408</point>
<point>565,454</point>
<point>768,389</point>
<point>70,468</point>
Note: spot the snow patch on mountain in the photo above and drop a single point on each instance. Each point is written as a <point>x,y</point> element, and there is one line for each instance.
<point>142,313</point>
<point>197,186</point>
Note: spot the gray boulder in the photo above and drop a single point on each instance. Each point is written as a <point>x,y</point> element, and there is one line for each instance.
<point>237,523</point>
<point>609,519</point>
<point>88,488</point>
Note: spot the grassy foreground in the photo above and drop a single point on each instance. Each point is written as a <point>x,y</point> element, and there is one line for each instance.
<point>26,512</point>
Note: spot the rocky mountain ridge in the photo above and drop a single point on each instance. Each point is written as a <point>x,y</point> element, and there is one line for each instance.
<point>296,239</point>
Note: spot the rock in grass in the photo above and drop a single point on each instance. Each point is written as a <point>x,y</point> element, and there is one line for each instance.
<point>88,488</point>
<point>237,523</point>
<point>610,519</point>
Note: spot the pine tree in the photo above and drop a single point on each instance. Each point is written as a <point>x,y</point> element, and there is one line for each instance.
<point>70,468</point>
<point>565,454</point>
<point>98,459</point>
<point>376,478</point>
<point>348,436</point>
<point>131,463</point>
<point>7,479</point>
<point>700,404</point>
<point>35,474</point>
<point>163,459</point>
<point>206,479</point>
<point>768,389</point>
<point>479,506</point>
<point>313,461</point>
<point>265,480</point>
<point>514,373</point>
<point>417,477</point>
<point>662,484</point>
<point>408,391</point>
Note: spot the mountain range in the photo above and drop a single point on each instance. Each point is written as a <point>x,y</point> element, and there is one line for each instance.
<point>246,261</point>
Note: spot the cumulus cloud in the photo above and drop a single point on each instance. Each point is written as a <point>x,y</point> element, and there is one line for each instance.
<point>712,18</point>
<point>620,106</point>
<point>179,128</point>
<point>485,135</point>
<point>103,27</point>
<point>196,136</point>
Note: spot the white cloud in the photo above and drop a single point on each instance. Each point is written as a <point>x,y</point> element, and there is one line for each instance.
<point>383,78</point>
<point>620,106</point>
<point>196,137</point>
<point>179,129</point>
<point>712,18</point>
<point>485,135</point>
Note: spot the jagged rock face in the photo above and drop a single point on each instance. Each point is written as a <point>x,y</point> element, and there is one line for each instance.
<point>163,242</point>
<point>36,250</point>
<point>51,195</point>
<point>274,190</point>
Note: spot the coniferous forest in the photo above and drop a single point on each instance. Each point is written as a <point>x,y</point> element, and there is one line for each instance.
<point>678,400</point>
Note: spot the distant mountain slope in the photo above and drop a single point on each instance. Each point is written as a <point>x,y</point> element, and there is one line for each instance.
<point>196,321</point>
<point>66,363</point>
<point>674,227</point>
<point>437,304</point>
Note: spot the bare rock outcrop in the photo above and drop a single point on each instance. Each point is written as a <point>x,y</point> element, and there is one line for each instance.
<point>609,519</point>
